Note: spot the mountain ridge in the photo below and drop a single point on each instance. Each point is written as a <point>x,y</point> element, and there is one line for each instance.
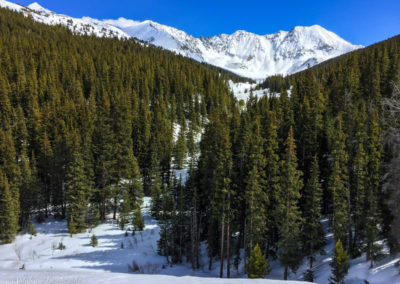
<point>244,53</point>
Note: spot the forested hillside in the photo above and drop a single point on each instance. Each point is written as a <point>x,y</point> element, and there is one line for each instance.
<point>288,160</point>
<point>89,125</point>
<point>87,120</point>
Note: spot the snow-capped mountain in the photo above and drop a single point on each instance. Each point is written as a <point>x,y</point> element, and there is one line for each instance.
<point>84,25</point>
<point>244,53</point>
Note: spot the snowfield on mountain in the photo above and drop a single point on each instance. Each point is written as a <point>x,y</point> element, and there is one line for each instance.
<point>244,53</point>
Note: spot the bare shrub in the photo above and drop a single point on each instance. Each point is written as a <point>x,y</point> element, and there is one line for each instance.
<point>18,250</point>
<point>54,246</point>
<point>33,254</point>
<point>147,268</point>
<point>151,268</point>
<point>130,244</point>
<point>134,267</point>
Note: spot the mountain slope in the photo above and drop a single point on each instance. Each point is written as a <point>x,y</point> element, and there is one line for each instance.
<point>80,26</point>
<point>244,53</point>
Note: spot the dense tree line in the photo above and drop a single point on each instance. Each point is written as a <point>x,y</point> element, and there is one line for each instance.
<point>89,125</point>
<point>270,170</point>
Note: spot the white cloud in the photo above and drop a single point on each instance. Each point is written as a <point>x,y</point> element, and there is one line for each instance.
<point>121,22</point>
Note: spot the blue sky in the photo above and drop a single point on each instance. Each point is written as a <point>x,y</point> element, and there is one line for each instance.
<point>359,21</point>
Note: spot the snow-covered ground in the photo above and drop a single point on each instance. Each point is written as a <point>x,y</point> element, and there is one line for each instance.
<point>384,271</point>
<point>242,90</point>
<point>79,262</point>
<point>65,277</point>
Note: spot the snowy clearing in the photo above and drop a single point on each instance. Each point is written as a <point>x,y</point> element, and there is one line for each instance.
<point>44,262</point>
<point>79,262</point>
<point>242,90</point>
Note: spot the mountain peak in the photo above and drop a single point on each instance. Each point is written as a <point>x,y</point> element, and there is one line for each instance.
<point>244,53</point>
<point>37,7</point>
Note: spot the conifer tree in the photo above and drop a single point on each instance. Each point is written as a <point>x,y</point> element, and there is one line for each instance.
<point>374,148</point>
<point>156,198</point>
<point>8,218</point>
<point>338,183</point>
<point>257,266</point>
<point>9,166</point>
<point>255,193</point>
<point>180,148</point>
<point>77,190</point>
<point>166,217</point>
<point>103,155</point>
<point>312,232</point>
<point>290,216</point>
<point>272,178</point>
<point>359,184</point>
<point>340,264</point>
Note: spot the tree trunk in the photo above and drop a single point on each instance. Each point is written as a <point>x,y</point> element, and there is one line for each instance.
<point>210,255</point>
<point>115,208</point>
<point>193,238</point>
<point>285,274</point>
<point>102,210</point>
<point>221,268</point>
<point>228,256</point>
<point>244,242</point>
<point>349,226</point>
<point>192,234</point>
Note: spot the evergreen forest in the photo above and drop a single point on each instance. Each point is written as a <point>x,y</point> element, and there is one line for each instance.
<point>89,126</point>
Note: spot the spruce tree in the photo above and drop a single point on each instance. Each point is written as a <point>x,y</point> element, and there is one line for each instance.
<point>9,167</point>
<point>257,266</point>
<point>77,191</point>
<point>272,179</point>
<point>312,232</point>
<point>374,148</point>
<point>338,182</point>
<point>8,219</point>
<point>180,148</point>
<point>359,184</point>
<point>255,193</point>
<point>290,216</point>
<point>340,264</point>
<point>165,221</point>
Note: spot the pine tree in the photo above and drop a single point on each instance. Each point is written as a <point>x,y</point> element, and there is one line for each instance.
<point>137,220</point>
<point>340,264</point>
<point>312,232</point>
<point>93,241</point>
<point>156,200</point>
<point>77,190</point>
<point>338,183</point>
<point>255,192</point>
<point>257,266</point>
<point>9,167</point>
<point>290,216</point>
<point>180,148</point>
<point>8,219</point>
<point>166,218</point>
<point>359,184</point>
<point>272,179</point>
<point>392,168</point>
<point>103,155</point>
<point>374,148</point>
